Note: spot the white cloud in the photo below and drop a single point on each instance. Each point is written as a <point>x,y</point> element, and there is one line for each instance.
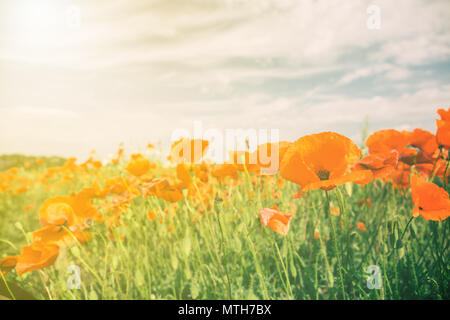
<point>137,70</point>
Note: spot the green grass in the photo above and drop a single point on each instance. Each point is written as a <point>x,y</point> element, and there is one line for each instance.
<point>227,254</point>
<point>18,160</point>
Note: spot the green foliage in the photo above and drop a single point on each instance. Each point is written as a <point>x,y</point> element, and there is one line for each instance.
<point>227,254</point>
<point>18,160</point>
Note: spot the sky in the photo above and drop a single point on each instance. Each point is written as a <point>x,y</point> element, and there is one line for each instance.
<point>77,75</point>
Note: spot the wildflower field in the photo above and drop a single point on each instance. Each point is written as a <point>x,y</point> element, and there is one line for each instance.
<point>336,221</point>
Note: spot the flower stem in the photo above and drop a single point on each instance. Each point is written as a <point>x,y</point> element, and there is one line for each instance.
<point>336,250</point>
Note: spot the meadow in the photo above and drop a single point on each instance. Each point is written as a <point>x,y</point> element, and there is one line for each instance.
<point>336,222</point>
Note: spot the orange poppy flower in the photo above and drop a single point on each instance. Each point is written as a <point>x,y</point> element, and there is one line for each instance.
<point>61,237</point>
<point>443,133</point>
<point>21,189</point>
<point>381,165</point>
<point>56,211</point>
<point>361,226</point>
<point>29,207</point>
<point>188,150</point>
<point>184,175</point>
<point>7,264</point>
<point>225,170</point>
<point>443,128</point>
<point>383,141</point>
<point>400,176</point>
<point>430,201</point>
<point>413,156</point>
<point>322,161</point>
<point>335,211</point>
<point>151,215</point>
<point>202,171</point>
<point>36,256</point>
<point>445,114</point>
<point>270,155</point>
<point>114,185</point>
<point>316,234</point>
<point>423,140</point>
<point>161,188</point>
<point>276,220</point>
<point>72,211</point>
<point>120,152</point>
<point>436,169</point>
<point>138,165</point>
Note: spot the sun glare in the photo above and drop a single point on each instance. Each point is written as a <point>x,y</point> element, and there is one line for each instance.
<point>34,23</point>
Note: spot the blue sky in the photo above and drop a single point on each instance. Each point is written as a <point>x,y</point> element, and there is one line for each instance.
<point>134,71</point>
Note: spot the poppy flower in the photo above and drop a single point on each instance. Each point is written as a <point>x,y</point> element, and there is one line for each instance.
<point>276,220</point>
<point>36,256</point>
<point>383,141</point>
<point>120,152</point>
<point>151,215</point>
<point>56,211</point>
<point>61,237</point>
<point>322,161</point>
<point>184,175</point>
<point>316,234</point>
<point>413,156</point>
<point>161,188</point>
<point>381,165</point>
<point>72,211</point>
<point>443,128</point>
<point>430,201</point>
<point>444,114</point>
<point>400,176</point>
<point>423,140</point>
<point>7,264</point>
<point>202,171</point>
<point>138,165</point>
<point>115,185</point>
<point>443,133</point>
<point>225,170</point>
<point>335,211</point>
<point>29,207</point>
<point>188,150</point>
<point>361,226</point>
<point>21,189</point>
<point>270,155</point>
<point>432,169</point>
